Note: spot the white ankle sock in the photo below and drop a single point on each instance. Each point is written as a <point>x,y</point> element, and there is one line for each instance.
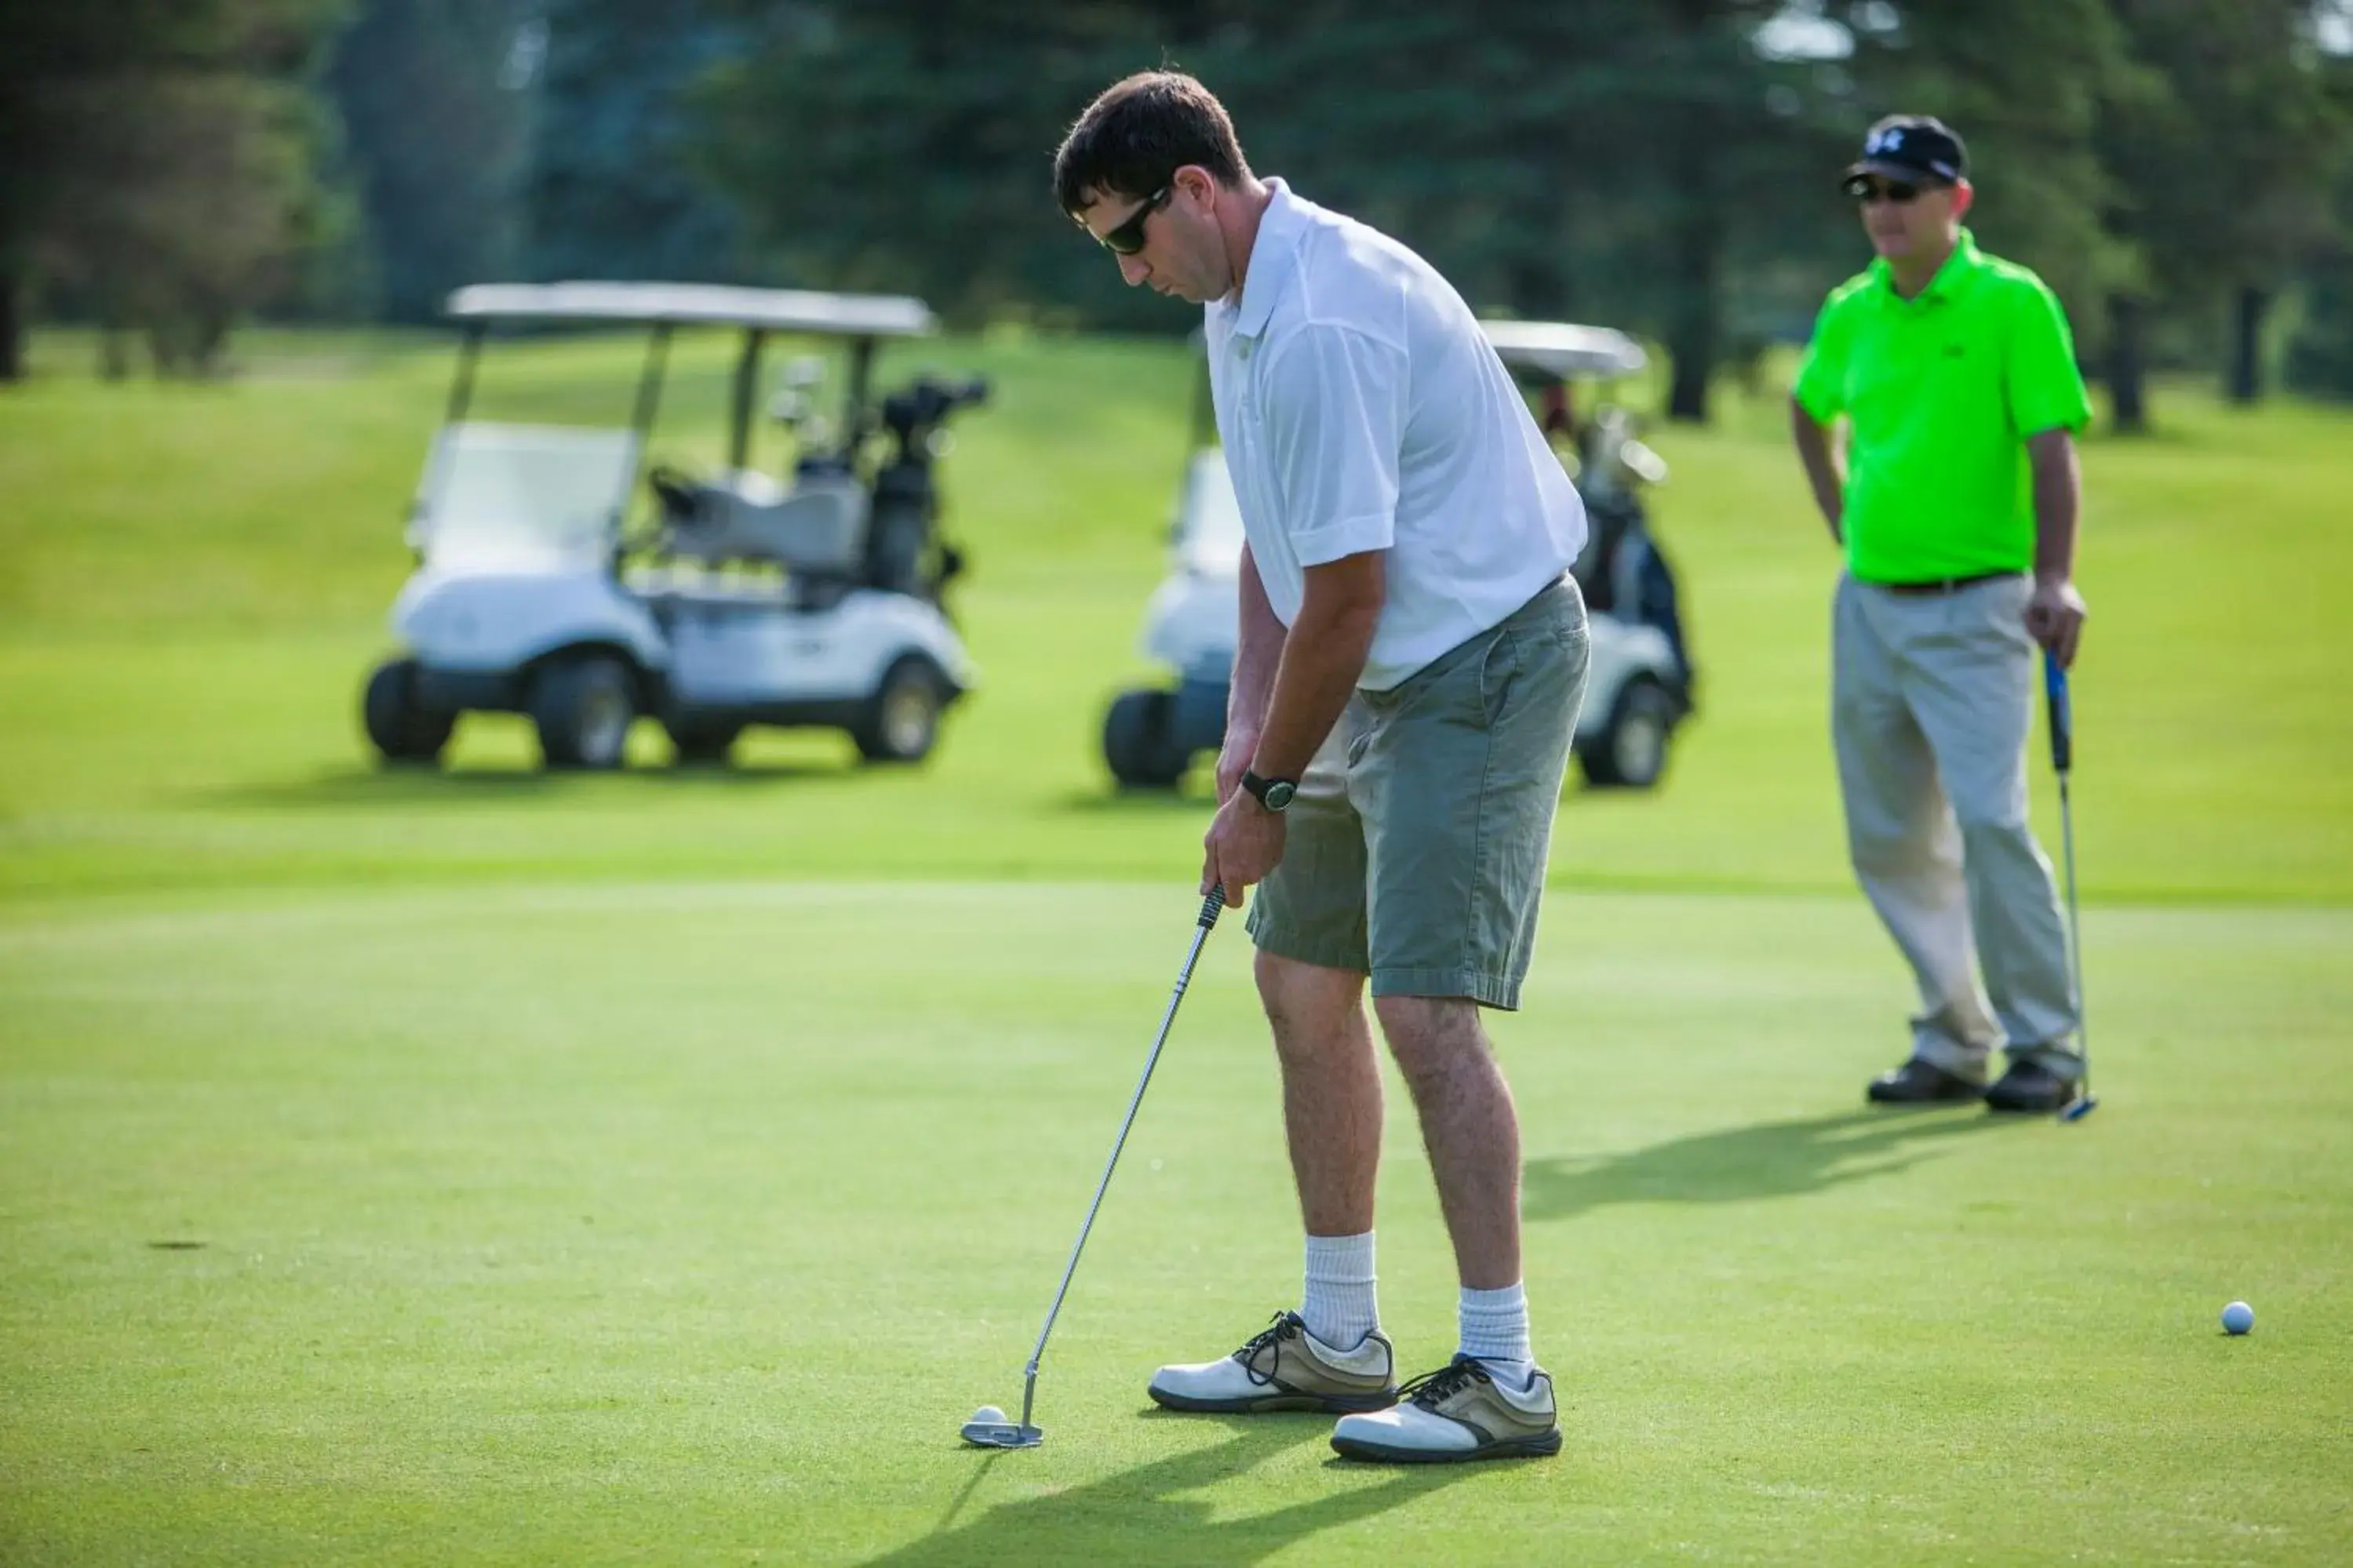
<point>1339,1308</point>
<point>1496,1329</point>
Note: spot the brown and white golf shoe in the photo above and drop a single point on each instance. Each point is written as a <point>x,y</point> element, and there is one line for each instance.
<point>1284,1367</point>
<point>1459,1412</point>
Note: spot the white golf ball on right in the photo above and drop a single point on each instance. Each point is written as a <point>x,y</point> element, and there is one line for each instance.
<point>988,1415</point>
<point>2238,1318</point>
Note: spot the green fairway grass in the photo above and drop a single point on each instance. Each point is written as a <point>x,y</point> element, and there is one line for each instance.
<point>686,1221</point>
<point>484,1165</point>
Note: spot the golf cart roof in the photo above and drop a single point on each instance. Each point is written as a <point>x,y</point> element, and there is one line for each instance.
<point>1559,349</point>
<point>778,309</point>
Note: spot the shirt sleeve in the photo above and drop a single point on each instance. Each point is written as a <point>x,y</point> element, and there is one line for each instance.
<point>1820,386</point>
<point>1334,425</point>
<point>2044,388</point>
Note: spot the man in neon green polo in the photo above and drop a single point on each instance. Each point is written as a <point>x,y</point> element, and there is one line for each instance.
<point>1954,499</point>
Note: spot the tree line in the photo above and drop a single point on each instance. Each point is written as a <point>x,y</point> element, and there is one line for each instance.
<point>2181,171</point>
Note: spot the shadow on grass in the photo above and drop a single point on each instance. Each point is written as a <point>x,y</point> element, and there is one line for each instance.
<point>455,787</point>
<point>1770,1160</point>
<point>1138,1515</point>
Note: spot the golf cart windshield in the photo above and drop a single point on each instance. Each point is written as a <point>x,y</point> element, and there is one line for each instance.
<point>523,498</point>
<point>1209,517</point>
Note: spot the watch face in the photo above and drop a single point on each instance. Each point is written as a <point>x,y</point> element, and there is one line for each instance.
<point>1279,793</point>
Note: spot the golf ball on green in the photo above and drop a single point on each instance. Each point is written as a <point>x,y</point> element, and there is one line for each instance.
<point>2238,1318</point>
<point>988,1415</point>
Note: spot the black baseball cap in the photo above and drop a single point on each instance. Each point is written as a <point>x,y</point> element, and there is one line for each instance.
<point>1916,147</point>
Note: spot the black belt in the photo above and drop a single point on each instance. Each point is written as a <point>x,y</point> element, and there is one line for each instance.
<point>1945,584</point>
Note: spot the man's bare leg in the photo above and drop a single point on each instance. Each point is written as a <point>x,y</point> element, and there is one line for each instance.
<point>1331,1089</point>
<point>1467,1125</point>
<point>1332,1117</point>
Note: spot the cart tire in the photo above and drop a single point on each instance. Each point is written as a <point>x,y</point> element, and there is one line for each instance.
<point>702,741</point>
<point>403,729</point>
<point>902,720</point>
<point>1630,752</point>
<point>1137,743</point>
<point>583,706</point>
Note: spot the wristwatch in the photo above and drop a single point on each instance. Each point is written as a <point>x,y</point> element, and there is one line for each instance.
<point>1272,793</point>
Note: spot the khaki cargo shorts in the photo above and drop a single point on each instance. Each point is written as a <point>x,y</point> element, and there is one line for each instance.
<point>1416,848</point>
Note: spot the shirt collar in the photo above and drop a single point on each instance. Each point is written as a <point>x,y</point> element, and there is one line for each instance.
<point>1961,269</point>
<point>1274,253</point>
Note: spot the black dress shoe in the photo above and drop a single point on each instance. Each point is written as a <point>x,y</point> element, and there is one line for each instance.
<point>1922,1083</point>
<point>2031,1087</point>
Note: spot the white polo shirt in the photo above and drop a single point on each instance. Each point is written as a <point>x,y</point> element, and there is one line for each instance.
<point>1362,408</point>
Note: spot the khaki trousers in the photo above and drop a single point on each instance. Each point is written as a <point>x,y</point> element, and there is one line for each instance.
<point>1932,697</point>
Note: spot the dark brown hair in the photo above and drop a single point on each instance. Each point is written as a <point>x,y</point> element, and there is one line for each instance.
<point>1140,130</point>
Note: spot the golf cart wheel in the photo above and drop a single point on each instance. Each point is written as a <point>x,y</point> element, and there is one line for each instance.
<point>702,740</point>
<point>902,717</point>
<point>1630,752</point>
<point>1136,743</point>
<point>583,705</point>
<point>402,727</point>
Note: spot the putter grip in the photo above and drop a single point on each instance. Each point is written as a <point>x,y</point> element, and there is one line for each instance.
<point>2062,717</point>
<point>1211,905</point>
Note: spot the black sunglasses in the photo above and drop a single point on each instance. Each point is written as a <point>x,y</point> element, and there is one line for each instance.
<point>1866,190</point>
<point>1128,237</point>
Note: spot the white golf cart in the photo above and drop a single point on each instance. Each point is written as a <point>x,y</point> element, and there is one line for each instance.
<point>811,601</point>
<point>1640,683</point>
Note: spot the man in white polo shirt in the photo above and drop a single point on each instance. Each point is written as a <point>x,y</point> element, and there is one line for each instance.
<point>1411,660</point>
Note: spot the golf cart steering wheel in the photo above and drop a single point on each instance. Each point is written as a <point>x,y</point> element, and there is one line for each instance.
<point>680,495</point>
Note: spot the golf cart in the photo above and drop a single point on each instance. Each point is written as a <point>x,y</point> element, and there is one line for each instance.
<point>1640,684</point>
<point>741,599</point>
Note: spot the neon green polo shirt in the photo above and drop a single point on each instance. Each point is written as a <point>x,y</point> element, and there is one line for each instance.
<point>1941,392</point>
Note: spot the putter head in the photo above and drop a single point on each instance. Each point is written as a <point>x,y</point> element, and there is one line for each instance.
<point>2079,1107</point>
<point>1002,1435</point>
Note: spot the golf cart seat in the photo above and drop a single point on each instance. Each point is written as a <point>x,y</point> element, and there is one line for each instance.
<point>817,530</point>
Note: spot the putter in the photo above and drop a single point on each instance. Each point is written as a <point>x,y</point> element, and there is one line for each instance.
<point>982,1431</point>
<point>2062,761</point>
